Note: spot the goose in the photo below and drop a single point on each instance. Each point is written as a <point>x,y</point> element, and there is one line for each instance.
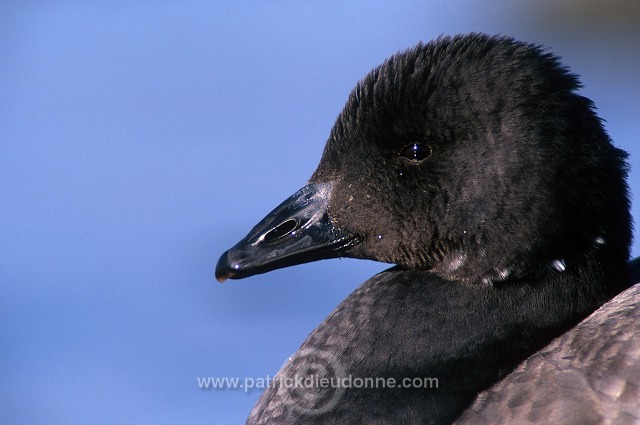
<point>472,165</point>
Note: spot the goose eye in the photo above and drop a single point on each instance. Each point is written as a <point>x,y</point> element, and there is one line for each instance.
<point>416,152</point>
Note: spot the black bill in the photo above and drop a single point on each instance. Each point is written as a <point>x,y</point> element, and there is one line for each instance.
<point>298,231</point>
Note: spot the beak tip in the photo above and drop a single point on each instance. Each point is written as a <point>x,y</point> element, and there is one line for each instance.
<point>223,271</point>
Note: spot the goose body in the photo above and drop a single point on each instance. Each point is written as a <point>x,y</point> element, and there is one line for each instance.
<point>472,164</point>
<point>588,375</point>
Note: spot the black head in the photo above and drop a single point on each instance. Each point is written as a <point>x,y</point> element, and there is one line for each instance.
<point>472,157</point>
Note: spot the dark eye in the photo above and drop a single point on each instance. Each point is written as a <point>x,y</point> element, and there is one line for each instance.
<point>416,152</point>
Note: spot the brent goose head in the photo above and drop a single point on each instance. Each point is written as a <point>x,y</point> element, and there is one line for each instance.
<point>471,157</point>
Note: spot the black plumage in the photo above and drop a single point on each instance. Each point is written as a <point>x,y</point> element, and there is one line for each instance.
<point>472,164</point>
<point>588,375</point>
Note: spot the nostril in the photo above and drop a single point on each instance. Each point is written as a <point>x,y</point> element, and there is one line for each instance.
<point>280,230</point>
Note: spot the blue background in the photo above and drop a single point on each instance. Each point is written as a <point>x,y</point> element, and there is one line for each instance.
<point>139,140</point>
